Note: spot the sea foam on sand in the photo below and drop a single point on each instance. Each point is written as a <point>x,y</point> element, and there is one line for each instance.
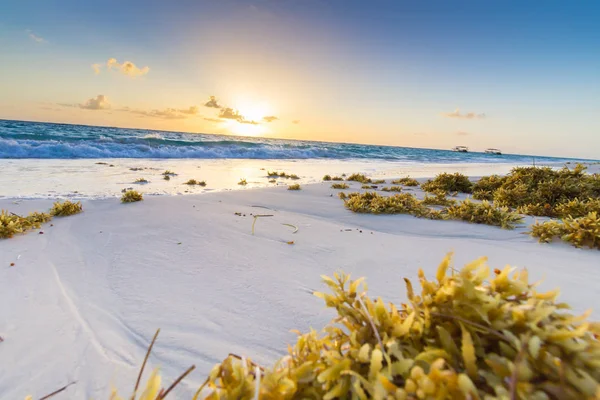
<point>83,300</point>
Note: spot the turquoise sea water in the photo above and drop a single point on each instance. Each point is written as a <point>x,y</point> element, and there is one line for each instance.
<point>19,139</point>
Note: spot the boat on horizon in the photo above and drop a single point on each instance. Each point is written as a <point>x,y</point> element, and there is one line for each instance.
<point>493,151</point>
<point>461,149</point>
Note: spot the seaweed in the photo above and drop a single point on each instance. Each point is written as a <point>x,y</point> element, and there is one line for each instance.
<point>131,196</point>
<point>65,208</point>
<point>193,182</point>
<point>327,178</point>
<point>242,182</point>
<point>392,189</point>
<point>359,178</point>
<point>456,182</point>
<point>295,186</point>
<point>484,213</point>
<point>582,231</point>
<point>141,180</point>
<point>469,334</point>
<point>340,186</point>
<point>406,181</point>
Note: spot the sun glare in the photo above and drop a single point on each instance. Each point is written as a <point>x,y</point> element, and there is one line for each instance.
<point>253,114</point>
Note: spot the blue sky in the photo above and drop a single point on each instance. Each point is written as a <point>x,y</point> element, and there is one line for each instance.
<point>384,72</point>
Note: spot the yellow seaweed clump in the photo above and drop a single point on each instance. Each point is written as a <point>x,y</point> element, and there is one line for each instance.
<point>406,181</point>
<point>467,335</point>
<point>582,231</point>
<point>484,213</point>
<point>456,182</point>
<point>12,224</point>
<point>131,196</point>
<point>295,186</point>
<point>359,178</point>
<point>65,208</point>
<point>340,186</point>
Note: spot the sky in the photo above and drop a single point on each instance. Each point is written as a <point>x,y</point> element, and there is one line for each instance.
<point>520,76</point>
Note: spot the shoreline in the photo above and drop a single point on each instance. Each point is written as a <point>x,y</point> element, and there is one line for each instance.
<point>95,178</point>
<point>89,293</point>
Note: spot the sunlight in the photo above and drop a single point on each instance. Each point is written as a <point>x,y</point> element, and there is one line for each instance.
<point>240,129</point>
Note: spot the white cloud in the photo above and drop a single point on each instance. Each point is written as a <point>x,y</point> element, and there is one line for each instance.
<point>99,102</point>
<point>126,68</point>
<point>270,118</point>
<point>167,113</point>
<point>457,114</point>
<point>34,37</point>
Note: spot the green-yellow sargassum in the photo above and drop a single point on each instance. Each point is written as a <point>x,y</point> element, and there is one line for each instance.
<point>468,334</point>
<point>131,196</point>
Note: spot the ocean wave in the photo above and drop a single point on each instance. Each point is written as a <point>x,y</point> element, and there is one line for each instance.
<point>58,141</point>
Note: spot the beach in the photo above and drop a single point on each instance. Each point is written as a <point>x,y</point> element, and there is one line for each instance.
<point>83,299</point>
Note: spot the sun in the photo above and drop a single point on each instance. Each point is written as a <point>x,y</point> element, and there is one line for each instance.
<point>253,114</point>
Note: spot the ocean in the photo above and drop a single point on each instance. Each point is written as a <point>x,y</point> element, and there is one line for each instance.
<point>19,139</point>
<point>44,160</point>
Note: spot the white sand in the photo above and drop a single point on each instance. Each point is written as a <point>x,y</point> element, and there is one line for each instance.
<point>84,298</point>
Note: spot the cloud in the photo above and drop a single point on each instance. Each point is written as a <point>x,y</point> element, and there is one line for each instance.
<point>99,102</point>
<point>212,103</point>
<point>230,113</point>
<point>270,118</point>
<point>296,121</point>
<point>243,121</point>
<point>216,120</point>
<point>461,133</point>
<point>456,114</point>
<point>167,113</point>
<point>34,37</point>
<point>126,68</point>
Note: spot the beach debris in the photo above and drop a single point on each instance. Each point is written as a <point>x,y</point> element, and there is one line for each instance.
<point>239,214</point>
<point>290,242</point>
<point>340,186</point>
<point>131,196</point>
<point>256,217</point>
<point>467,335</point>
<point>137,169</point>
<point>62,389</point>
<point>41,233</point>
<point>193,182</point>
<point>406,181</point>
<point>101,163</point>
<point>12,264</point>
<point>456,182</point>
<point>292,226</point>
<point>65,208</point>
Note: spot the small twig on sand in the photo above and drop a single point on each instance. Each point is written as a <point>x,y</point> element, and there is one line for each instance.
<point>292,226</point>
<point>57,391</point>
<point>16,215</point>
<point>257,216</point>
<point>166,392</point>
<point>137,383</point>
